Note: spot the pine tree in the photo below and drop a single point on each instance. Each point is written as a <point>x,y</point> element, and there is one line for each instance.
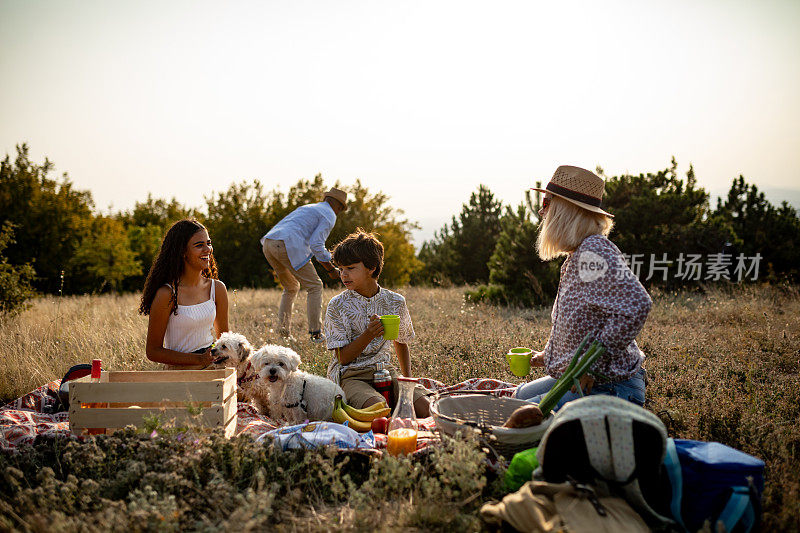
<point>460,252</point>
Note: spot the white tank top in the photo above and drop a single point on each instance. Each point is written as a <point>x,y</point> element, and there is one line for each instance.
<point>193,327</point>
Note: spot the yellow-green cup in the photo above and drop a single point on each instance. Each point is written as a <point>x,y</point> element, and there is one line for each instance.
<point>519,359</point>
<point>391,326</point>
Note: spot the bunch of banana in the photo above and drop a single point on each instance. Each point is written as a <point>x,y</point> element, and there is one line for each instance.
<point>358,419</point>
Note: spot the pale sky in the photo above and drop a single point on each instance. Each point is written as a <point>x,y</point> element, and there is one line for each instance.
<point>421,100</point>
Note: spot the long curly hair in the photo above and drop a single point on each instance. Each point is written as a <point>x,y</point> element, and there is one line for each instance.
<point>168,265</point>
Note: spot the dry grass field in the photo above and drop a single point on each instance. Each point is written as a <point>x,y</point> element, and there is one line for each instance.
<point>723,365</point>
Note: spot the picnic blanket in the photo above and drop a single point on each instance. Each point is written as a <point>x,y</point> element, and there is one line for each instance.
<point>23,419</point>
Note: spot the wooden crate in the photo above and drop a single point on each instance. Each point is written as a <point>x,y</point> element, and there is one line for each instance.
<point>124,398</point>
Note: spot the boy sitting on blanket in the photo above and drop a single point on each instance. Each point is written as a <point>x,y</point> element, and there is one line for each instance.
<point>353,330</point>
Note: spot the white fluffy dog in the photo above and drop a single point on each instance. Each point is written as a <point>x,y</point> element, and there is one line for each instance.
<point>232,350</point>
<point>294,395</point>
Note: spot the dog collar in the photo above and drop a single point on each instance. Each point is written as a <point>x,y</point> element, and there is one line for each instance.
<point>244,379</point>
<point>301,403</point>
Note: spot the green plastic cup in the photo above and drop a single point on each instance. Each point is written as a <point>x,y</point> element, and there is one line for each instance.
<point>519,359</point>
<point>391,326</point>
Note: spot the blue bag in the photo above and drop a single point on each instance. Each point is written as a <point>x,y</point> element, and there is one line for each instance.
<point>714,482</point>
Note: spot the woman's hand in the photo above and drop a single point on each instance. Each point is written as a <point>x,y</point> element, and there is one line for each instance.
<point>537,359</point>
<point>587,382</point>
<point>205,358</point>
<point>374,328</point>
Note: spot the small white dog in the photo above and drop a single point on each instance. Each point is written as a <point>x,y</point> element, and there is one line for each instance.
<point>294,395</point>
<point>232,350</point>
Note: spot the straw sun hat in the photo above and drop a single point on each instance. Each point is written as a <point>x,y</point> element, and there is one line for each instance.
<point>337,194</point>
<point>579,186</point>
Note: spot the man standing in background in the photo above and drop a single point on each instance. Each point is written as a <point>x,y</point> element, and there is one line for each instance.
<point>289,247</point>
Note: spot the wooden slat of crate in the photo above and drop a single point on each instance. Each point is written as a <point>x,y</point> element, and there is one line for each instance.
<point>229,386</point>
<point>230,407</point>
<point>129,392</point>
<point>231,417</point>
<point>160,376</point>
<point>230,427</point>
<point>119,418</point>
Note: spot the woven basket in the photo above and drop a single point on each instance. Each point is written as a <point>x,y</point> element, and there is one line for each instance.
<point>486,413</point>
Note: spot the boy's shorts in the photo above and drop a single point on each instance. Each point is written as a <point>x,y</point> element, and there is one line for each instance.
<point>357,386</point>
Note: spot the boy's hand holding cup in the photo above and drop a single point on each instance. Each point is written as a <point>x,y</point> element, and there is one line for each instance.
<point>374,327</point>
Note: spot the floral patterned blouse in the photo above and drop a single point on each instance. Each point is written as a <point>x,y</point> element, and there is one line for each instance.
<point>347,317</point>
<point>598,294</point>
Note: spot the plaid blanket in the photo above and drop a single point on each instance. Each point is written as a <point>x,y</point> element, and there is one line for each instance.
<point>26,417</point>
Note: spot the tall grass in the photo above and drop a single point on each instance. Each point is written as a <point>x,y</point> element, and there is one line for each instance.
<point>42,342</point>
<point>723,365</point>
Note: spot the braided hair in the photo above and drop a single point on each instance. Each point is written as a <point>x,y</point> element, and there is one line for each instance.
<point>168,265</point>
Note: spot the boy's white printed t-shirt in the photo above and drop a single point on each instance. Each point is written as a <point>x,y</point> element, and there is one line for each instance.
<point>347,317</point>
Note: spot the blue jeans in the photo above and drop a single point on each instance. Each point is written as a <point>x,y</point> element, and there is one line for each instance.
<point>631,389</point>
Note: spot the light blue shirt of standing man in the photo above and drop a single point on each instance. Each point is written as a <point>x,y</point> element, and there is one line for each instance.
<point>289,246</point>
<point>304,231</point>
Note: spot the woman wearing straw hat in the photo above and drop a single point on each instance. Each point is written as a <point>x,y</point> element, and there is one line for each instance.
<point>597,294</point>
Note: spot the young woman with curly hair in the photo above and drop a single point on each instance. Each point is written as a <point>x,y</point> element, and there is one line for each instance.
<point>186,303</point>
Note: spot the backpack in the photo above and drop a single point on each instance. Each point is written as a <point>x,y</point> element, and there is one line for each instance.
<point>714,482</point>
<point>570,507</point>
<point>58,401</point>
<point>612,443</point>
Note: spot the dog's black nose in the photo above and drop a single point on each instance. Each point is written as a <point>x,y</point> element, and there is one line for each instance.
<point>272,371</point>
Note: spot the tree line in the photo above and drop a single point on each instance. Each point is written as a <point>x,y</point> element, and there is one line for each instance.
<point>659,217</point>
<point>52,240</point>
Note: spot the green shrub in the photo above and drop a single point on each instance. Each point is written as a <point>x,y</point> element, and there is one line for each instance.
<point>130,481</point>
<point>460,251</point>
<point>517,276</point>
<point>15,280</point>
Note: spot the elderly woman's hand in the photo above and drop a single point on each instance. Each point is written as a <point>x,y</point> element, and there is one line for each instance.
<point>537,359</point>
<point>587,382</point>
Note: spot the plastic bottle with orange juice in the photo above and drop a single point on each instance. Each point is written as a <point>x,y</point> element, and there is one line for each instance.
<point>402,435</point>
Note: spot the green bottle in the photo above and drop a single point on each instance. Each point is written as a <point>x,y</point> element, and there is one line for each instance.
<point>521,469</point>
